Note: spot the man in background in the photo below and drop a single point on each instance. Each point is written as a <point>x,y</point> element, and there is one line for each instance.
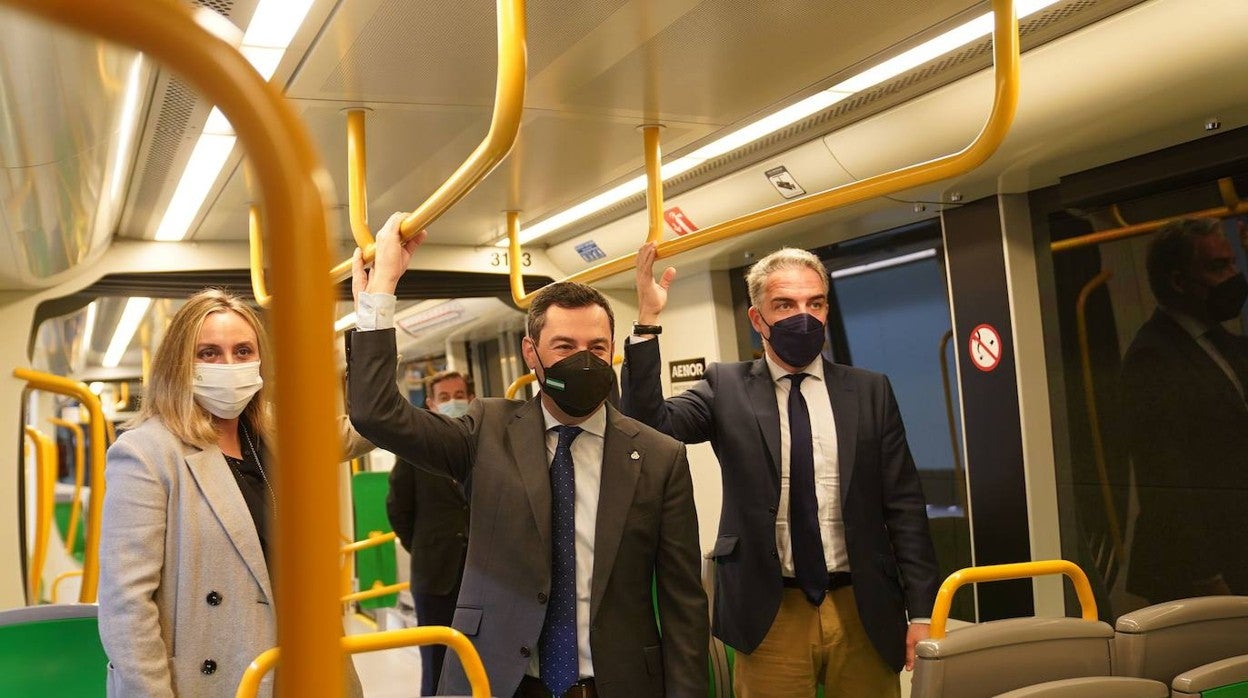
<point>429,513</point>
<point>1184,382</point>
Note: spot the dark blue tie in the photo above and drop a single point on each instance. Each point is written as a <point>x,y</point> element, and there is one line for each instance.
<point>808,562</point>
<point>558,655</point>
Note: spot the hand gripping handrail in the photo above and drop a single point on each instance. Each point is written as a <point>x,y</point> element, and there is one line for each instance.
<point>45,483</point>
<point>389,639</point>
<point>280,151</point>
<point>1094,419</point>
<point>1231,206</point>
<point>75,506</point>
<point>1005,101</point>
<point>1017,570</point>
<point>95,507</point>
<point>504,126</point>
<point>531,377</point>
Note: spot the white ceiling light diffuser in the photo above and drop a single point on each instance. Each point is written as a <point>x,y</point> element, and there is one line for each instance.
<point>131,316</point>
<point>269,34</point>
<point>949,41</point>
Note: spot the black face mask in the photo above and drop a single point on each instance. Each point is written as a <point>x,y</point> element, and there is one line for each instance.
<point>797,339</point>
<point>578,383</point>
<point>1227,298</point>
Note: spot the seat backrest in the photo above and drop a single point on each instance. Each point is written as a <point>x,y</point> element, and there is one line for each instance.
<point>378,563</point>
<point>52,651</point>
<point>1162,641</point>
<point>983,660</point>
<point>1225,678</point>
<point>1094,687</point>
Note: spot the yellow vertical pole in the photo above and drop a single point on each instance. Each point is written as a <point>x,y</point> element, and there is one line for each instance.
<point>75,507</point>
<point>45,481</point>
<point>654,181</point>
<point>357,179</point>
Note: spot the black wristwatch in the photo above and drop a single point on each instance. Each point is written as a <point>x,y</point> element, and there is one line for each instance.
<point>641,330</point>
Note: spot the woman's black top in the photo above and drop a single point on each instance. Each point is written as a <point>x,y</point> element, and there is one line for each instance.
<point>251,483</point>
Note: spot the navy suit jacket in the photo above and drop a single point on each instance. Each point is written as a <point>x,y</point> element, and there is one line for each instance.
<point>891,556</point>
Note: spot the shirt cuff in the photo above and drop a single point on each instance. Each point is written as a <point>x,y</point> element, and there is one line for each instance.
<point>375,311</point>
<point>924,621</point>
<point>634,339</point>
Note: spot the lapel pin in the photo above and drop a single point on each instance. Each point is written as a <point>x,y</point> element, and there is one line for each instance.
<point>635,455</point>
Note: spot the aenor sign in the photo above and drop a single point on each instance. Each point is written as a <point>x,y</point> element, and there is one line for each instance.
<point>687,370</point>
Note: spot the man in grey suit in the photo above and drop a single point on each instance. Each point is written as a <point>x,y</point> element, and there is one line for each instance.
<point>825,570</point>
<point>576,509</point>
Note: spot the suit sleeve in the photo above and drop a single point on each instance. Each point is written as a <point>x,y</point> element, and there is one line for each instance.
<point>132,556</point>
<point>381,415</point>
<point>401,502</point>
<point>683,611</point>
<point>905,513</point>
<point>686,417</point>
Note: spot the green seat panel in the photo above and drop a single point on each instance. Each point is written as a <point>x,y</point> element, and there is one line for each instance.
<point>52,652</point>
<point>1239,690</point>
<point>61,513</point>
<point>368,495</point>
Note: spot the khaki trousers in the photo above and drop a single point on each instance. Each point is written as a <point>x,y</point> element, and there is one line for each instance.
<point>808,645</point>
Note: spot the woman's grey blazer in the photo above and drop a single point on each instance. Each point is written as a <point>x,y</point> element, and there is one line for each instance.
<point>185,598</point>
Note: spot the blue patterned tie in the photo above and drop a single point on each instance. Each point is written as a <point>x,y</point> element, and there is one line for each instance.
<point>558,656</point>
<point>808,562</point>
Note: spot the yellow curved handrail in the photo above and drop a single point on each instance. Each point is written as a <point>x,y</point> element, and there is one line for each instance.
<point>1005,101</point>
<point>56,583</point>
<point>357,179</point>
<point>123,396</point>
<point>385,640</point>
<point>1017,570</point>
<point>375,538</point>
<point>255,247</point>
<point>1094,419</point>
<point>280,150</point>
<point>75,507</point>
<point>1231,207</point>
<point>376,591</point>
<point>530,377</point>
<point>95,506</point>
<point>45,482</point>
<point>959,475</point>
<point>504,126</point>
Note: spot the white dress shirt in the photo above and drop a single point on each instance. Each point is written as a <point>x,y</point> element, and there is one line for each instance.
<point>827,472</point>
<point>587,463</point>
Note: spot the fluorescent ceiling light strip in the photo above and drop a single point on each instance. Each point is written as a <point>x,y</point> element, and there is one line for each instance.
<point>275,22</point>
<point>884,263</point>
<point>88,334</point>
<point>949,41</point>
<point>96,387</point>
<point>207,159</point>
<point>133,314</point>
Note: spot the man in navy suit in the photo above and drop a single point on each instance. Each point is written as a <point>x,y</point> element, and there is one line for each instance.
<point>825,570</point>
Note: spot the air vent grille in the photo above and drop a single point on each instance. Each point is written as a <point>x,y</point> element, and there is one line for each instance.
<point>176,107</point>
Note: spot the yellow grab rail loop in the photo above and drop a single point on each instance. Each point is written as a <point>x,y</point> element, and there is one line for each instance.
<point>357,179</point>
<point>1094,419</point>
<point>95,505</point>
<point>56,583</point>
<point>389,639</point>
<point>1017,570</point>
<point>1005,101</point>
<point>75,506</point>
<point>376,591</point>
<point>45,483</point>
<point>280,151</point>
<point>504,126</point>
<point>654,182</point>
<point>255,241</point>
<point>375,538</point>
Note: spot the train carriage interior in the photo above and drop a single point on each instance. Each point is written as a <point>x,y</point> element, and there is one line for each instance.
<point>988,234</point>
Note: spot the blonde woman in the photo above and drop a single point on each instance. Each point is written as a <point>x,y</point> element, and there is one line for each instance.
<point>186,601</point>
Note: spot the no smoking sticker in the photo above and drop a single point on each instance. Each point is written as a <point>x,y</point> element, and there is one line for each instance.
<point>985,347</point>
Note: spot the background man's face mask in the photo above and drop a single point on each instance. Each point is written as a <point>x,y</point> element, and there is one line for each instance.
<point>453,408</point>
<point>226,389</point>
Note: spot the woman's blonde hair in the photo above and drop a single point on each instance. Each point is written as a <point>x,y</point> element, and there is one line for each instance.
<point>168,395</point>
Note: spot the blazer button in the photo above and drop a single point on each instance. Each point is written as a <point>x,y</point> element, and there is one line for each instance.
<point>541,597</point>
<point>213,598</point>
<point>525,651</point>
<point>208,667</point>
<point>771,510</point>
<point>775,554</point>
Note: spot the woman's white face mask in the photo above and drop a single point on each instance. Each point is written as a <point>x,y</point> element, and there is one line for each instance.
<point>226,389</point>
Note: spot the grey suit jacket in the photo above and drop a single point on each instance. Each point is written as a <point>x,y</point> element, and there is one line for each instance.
<point>647,529</point>
<point>183,580</point>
